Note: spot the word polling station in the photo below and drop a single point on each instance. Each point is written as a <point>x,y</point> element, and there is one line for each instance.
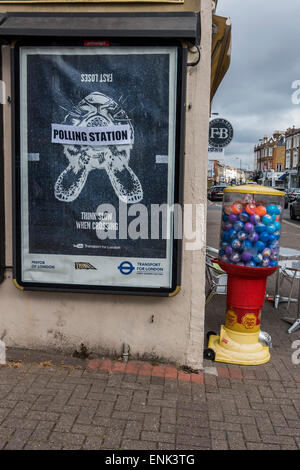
<point>104,135</point>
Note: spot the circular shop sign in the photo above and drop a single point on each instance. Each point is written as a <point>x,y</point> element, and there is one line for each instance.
<point>220,133</point>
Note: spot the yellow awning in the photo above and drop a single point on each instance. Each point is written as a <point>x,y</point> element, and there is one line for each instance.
<point>221,50</point>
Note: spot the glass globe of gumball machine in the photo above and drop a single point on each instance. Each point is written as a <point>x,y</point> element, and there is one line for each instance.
<point>248,253</point>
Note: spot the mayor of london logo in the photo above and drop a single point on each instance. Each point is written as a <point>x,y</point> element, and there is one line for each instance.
<point>83,265</point>
<point>220,133</point>
<point>126,268</point>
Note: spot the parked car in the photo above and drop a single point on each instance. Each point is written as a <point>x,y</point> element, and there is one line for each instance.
<point>292,194</point>
<point>286,199</point>
<point>216,193</point>
<point>289,192</point>
<point>295,208</point>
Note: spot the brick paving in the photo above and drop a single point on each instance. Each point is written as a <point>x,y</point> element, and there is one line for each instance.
<point>95,405</point>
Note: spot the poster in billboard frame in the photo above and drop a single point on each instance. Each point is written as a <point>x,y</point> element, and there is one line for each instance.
<point>45,210</point>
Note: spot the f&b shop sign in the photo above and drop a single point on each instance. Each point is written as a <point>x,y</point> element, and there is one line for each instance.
<point>220,133</point>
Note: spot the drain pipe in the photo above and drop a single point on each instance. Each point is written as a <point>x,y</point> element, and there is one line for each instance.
<point>126,352</point>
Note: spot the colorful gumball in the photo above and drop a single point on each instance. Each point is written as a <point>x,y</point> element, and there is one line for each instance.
<point>235,257</point>
<point>261,211</point>
<point>253,237</point>
<point>225,217</point>
<point>239,225</point>
<point>232,233</point>
<point>246,256</point>
<point>273,264</point>
<point>242,235</point>
<point>277,218</point>
<point>271,228</point>
<point>278,210</point>
<point>264,237</point>
<point>248,227</point>
<point>251,264</point>
<point>223,245</point>
<point>254,219</point>
<point>236,244</point>
<point>247,245</point>
<point>259,245</point>
<point>226,236</point>
<point>232,218</point>
<point>228,209</point>
<point>251,208</point>
<point>272,238</point>
<point>277,226</point>
<point>258,258</point>
<point>266,262</point>
<point>271,209</point>
<point>221,253</point>
<point>266,253</point>
<point>260,228</point>
<point>275,246</point>
<point>226,227</point>
<point>237,208</point>
<point>276,235</point>
<point>267,219</point>
<point>228,250</point>
<point>244,217</point>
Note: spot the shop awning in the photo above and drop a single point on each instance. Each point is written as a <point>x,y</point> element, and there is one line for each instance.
<point>221,50</point>
<point>183,25</point>
<point>283,177</point>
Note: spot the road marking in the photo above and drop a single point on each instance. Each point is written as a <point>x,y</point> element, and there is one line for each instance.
<point>290,223</point>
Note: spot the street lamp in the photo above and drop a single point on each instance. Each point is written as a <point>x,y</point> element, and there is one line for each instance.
<point>238,158</point>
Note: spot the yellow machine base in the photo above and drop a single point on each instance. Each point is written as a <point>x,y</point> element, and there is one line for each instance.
<point>238,348</point>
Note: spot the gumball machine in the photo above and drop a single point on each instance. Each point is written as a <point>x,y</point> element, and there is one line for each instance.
<point>248,253</point>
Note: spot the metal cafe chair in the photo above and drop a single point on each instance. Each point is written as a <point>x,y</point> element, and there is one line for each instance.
<point>211,252</point>
<point>290,272</point>
<point>215,276</point>
<point>285,254</point>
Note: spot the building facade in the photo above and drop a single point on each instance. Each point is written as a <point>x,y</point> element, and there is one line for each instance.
<point>269,153</point>
<point>220,173</point>
<point>280,153</point>
<point>278,163</point>
<point>292,152</point>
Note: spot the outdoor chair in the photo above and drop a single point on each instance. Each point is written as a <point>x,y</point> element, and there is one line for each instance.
<point>290,272</point>
<point>215,276</point>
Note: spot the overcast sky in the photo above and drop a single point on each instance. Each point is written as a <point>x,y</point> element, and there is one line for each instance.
<point>256,93</point>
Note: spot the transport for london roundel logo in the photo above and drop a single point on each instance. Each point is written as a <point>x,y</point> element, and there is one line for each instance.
<point>126,267</point>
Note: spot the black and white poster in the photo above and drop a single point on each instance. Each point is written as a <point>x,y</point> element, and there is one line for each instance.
<point>97,161</point>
